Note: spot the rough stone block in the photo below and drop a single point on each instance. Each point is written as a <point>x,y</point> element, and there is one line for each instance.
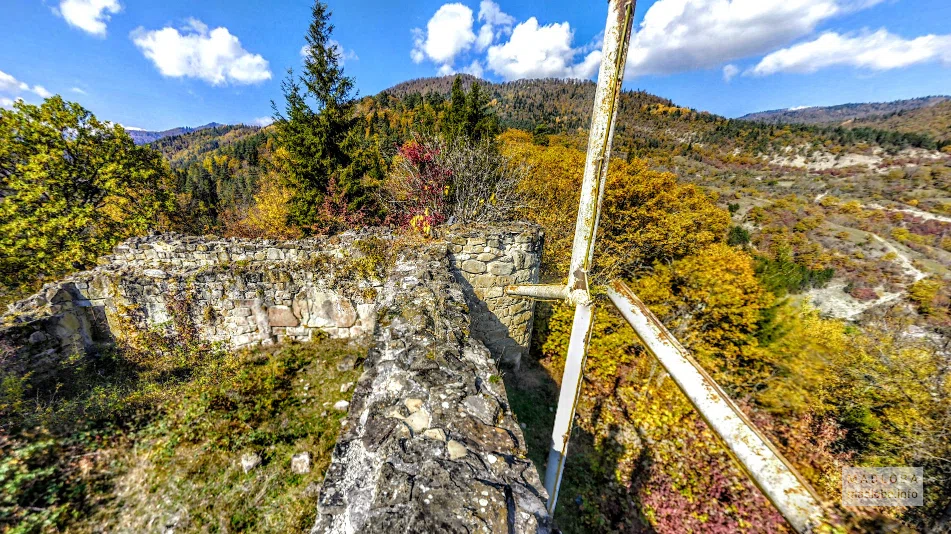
<point>473,266</point>
<point>282,316</point>
<point>501,269</point>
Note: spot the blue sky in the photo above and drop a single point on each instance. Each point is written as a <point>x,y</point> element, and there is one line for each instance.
<point>158,65</point>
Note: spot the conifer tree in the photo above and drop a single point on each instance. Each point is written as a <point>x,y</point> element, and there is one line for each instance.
<point>319,139</point>
<point>458,110</point>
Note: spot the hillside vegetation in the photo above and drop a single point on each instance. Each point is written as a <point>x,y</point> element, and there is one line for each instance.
<point>805,266</point>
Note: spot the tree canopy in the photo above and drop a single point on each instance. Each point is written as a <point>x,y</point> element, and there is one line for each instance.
<point>71,188</point>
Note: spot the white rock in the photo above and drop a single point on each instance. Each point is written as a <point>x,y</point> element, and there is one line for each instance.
<point>413,405</point>
<point>436,434</point>
<point>418,421</point>
<point>300,463</point>
<point>341,406</point>
<point>456,450</point>
<point>249,461</point>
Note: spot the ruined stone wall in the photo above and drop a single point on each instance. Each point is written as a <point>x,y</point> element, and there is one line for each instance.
<point>487,259</point>
<point>248,292</point>
<point>430,442</point>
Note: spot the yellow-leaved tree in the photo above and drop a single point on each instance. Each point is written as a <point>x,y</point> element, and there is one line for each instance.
<point>71,188</point>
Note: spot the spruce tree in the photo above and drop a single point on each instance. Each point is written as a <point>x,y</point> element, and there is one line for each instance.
<point>458,110</point>
<point>318,139</point>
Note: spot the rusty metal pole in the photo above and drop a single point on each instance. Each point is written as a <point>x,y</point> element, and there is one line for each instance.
<point>773,474</point>
<point>617,37</point>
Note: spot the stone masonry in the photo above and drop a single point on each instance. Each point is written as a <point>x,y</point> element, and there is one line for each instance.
<point>430,443</point>
<point>486,260</point>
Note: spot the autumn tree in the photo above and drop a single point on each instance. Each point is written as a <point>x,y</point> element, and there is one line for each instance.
<point>646,216</point>
<point>71,188</point>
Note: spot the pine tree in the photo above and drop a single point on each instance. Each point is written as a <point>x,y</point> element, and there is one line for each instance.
<point>319,140</point>
<point>480,123</point>
<point>458,110</point>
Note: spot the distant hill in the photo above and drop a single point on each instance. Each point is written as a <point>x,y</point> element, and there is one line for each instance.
<point>143,137</point>
<point>845,112</point>
<point>559,105</point>
<point>195,144</point>
<point>932,120</point>
<point>646,122</point>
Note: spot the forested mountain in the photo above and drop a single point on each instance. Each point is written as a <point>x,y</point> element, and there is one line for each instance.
<point>842,113</point>
<point>646,123</point>
<point>143,137</point>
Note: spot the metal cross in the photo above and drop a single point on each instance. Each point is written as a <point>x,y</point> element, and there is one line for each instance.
<point>775,476</point>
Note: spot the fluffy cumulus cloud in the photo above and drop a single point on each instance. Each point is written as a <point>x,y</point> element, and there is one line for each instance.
<point>541,51</point>
<point>684,35</point>
<point>674,36</point>
<point>448,34</point>
<point>879,51</point>
<point>215,56</point>
<point>529,49</point>
<point>495,24</point>
<point>12,89</point>
<point>89,16</point>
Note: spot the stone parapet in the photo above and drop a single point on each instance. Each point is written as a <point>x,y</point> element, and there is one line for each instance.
<point>486,259</point>
<point>430,443</point>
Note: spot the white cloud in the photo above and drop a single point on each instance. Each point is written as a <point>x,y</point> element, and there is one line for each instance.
<point>90,16</point>
<point>448,34</point>
<point>683,35</point>
<point>215,56</point>
<point>6,103</point>
<point>343,55</point>
<point>496,24</point>
<point>11,87</point>
<point>730,72</point>
<point>263,121</point>
<point>880,50</point>
<point>537,51</point>
<point>41,91</point>
<point>9,84</point>
<point>78,91</point>
<point>475,68</point>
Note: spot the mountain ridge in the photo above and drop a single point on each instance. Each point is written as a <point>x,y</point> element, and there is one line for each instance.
<point>144,137</point>
<point>837,114</point>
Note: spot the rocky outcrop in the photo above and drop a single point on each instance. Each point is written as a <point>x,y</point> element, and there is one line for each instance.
<point>430,444</point>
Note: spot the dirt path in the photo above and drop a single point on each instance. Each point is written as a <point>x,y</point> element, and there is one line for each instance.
<point>832,300</point>
<point>911,211</point>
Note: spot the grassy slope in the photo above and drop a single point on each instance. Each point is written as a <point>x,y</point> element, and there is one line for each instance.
<point>139,440</point>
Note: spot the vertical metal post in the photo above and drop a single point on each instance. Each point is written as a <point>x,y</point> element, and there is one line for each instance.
<point>776,477</point>
<point>617,37</point>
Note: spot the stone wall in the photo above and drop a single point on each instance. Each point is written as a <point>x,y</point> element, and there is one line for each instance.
<point>430,443</point>
<point>248,292</point>
<point>487,259</point>
<point>236,292</point>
